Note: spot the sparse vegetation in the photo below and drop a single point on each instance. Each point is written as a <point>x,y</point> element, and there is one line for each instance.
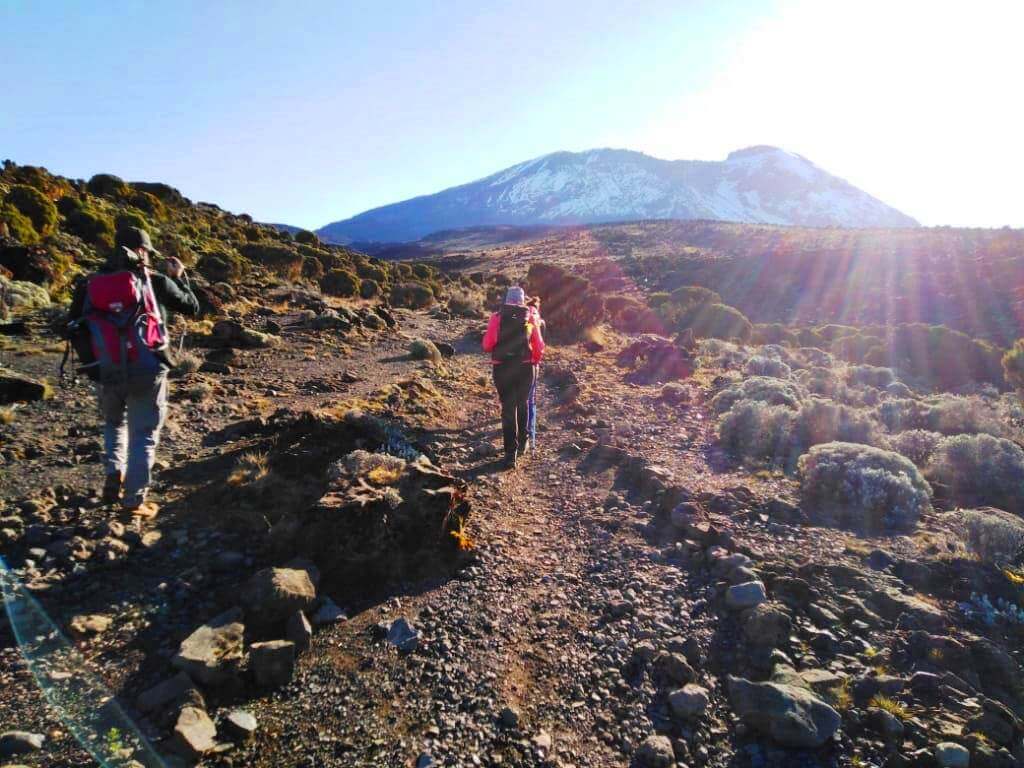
<point>993,535</point>
<point>979,470</point>
<point>34,206</point>
<point>412,295</point>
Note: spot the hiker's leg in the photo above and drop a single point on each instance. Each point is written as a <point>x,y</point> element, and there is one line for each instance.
<point>147,409</point>
<point>531,410</point>
<point>505,385</point>
<point>112,403</point>
<point>524,383</point>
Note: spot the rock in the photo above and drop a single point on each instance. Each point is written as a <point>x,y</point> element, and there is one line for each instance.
<point>791,716</point>
<point>274,594</point>
<point>425,760</point>
<point>655,752</point>
<point>94,624</point>
<point>766,624</point>
<point>403,635</point>
<point>194,733</point>
<point>509,717</point>
<point>231,333</point>
<point>740,597</point>
<point>674,668</point>
<point>16,387</point>
<point>997,669</point>
<point>165,692</point>
<point>273,662</point>
<point>542,743</point>
<point>890,603</point>
<point>949,754</point>
<point>211,655</point>
<point>241,725</point>
<point>886,724</point>
<point>446,349</point>
<point>20,743</point>
<point>328,613</point>
<point>689,702</point>
<point>299,631</point>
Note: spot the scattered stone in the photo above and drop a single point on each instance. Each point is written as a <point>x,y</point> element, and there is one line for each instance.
<point>689,702</point>
<point>792,716</point>
<point>509,717</point>
<point>424,349</point>
<point>274,594</point>
<point>542,743</point>
<point>949,754</point>
<point>329,613</point>
<point>674,668</point>
<point>20,743</point>
<point>94,624</point>
<point>241,725</point>
<point>656,752</point>
<point>766,624</point>
<point>886,724</point>
<point>273,662</point>
<point>16,387</point>
<point>740,597</point>
<point>299,631</point>
<point>211,655</point>
<point>194,733</point>
<point>403,635</point>
<point>163,693</point>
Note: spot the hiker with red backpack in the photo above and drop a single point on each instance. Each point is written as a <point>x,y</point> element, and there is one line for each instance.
<point>118,327</point>
<point>516,346</point>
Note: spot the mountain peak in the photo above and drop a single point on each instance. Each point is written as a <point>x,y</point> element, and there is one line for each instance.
<point>758,184</point>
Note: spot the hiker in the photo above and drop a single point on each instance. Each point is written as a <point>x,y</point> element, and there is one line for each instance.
<point>533,307</point>
<point>120,315</point>
<point>516,347</point>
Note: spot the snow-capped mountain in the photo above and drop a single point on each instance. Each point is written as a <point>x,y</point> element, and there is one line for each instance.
<point>759,184</point>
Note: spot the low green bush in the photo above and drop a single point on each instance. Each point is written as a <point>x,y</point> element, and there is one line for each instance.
<point>979,470</point>
<point>369,289</point>
<point>870,375</point>
<point>306,237</point>
<point>465,304</point>
<point>131,217</point>
<point>997,537</point>
<point>18,225</point>
<point>280,259</point>
<point>91,225</point>
<point>762,389</point>
<point>719,321</point>
<point>107,185</point>
<point>918,445</point>
<point>1013,365</point>
<point>34,205</point>
<point>862,488</point>
<point>412,295</point>
<point>758,432</point>
<point>312,269</point>
<point>758,365</point>
<point>340,282</point>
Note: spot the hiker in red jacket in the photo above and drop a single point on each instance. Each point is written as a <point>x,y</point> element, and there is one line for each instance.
<point>516,346</point>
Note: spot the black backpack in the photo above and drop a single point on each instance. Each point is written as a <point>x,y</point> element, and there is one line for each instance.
<point>513,335</point>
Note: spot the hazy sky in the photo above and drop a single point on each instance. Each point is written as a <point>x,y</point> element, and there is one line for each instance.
<point>309,112</point>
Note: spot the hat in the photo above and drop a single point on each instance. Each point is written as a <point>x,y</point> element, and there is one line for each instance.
<point>134,238</point>
<point>516,295</point>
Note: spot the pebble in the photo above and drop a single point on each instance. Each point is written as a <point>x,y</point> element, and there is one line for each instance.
<point>20,743</point>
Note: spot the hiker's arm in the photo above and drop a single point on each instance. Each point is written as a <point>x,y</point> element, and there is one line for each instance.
<point>536,344</point>
<point>491,337</point>
<point>77,302</point>
<point>175,294</point>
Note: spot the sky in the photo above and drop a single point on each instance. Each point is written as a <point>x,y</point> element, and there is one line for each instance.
<point>309,112</point>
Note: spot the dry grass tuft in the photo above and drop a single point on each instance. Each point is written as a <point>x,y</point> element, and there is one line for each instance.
<point>6,415</point>
<point>840,696</point>
<point>251,468</point>
<point>891,706</point>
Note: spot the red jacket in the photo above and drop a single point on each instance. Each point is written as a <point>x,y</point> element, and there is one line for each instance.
<point>533,328</point>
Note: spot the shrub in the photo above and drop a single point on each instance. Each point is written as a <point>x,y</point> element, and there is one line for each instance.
<point>996,536</point>
<point>19,226</point>
<point>423,271</point>
<point>36,206</point>
<point>108,185</point>
<point>869,375</point>
<point>465,304</point>
<point>822,421</point>
<point>412,295</point>
<point>823,381</point>
<point>902,413</point>
<point>853,348</point>
<point>221,266</point>
<point>340,282</point>
<point>163,192</point>
<point>312,269</point>
<point>766,366</point>
<point>941,358</point>
<point>372,271</point>
<point>979,470</point>
<point>758,432</point>
<point>92,226</point>
<point>570,303</point>
<point>899,389</point>
<point>816,357</point>
<point>918,445</point>
<point>720,321</point>
<point>954,415</point>
<point>368,289</point>
<point>131,217</point>
<point>424,349</point>
<point>862,488</point>
<point>658,298</point>
<point>830,333</point>
<point>279,259</point>
<point>760,388</point>
<point>306,237</point>
<point>1013,365</point>
<point>628,315</point>
<point>773,333</point>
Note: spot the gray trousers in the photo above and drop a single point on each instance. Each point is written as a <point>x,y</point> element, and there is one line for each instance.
<point>133,415</point>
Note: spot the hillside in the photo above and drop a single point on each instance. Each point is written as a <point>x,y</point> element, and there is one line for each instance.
<point>737,545</point>
<point>758,184</point>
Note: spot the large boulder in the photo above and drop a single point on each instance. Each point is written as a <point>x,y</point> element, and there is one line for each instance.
<point>275,594</point>
<point>212,654</point>
<point>791,716</point>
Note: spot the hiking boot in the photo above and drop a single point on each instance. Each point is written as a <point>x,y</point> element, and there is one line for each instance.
<point>145,510</point>
<point>510,461</point>
<point>112,488</point>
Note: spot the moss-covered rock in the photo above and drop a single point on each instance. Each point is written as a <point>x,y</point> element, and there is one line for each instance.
<point>34,205</point>
<point>107,185</point>
<point>17,225</point>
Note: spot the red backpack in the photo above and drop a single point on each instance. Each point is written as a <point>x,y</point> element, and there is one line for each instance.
<point>121,333</point>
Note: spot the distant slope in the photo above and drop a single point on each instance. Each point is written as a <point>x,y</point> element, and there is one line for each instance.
<point>756,185</point>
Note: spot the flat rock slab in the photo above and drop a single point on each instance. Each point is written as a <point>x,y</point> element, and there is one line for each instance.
<point>792,716</point>
<point>211,655</point>
<point>274,594</point>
